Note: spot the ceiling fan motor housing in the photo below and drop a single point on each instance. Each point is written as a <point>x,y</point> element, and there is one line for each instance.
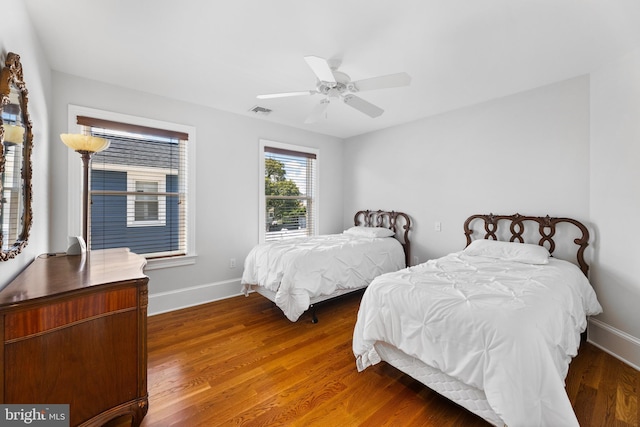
<point>335,89</point>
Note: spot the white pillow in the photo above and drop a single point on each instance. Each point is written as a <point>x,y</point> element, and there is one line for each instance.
<point>369,231</point>
<point>508,251</point>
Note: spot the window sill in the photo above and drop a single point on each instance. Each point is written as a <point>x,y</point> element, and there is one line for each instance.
<point>159,263</point>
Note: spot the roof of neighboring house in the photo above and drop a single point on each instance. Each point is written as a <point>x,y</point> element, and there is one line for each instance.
<point>137,152</point>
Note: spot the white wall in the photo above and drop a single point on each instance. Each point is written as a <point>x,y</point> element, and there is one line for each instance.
<point>226,184</point>
<point>615,203</point>
<point>18,36</point>
<point>566,149</point>
<point>527,153</point>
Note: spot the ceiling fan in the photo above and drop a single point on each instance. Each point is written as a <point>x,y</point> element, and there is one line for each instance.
<point>334,84</point>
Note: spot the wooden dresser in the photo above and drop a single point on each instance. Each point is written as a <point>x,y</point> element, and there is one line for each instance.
<point>74,331</point>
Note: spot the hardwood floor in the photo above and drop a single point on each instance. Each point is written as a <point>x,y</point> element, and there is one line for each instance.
<point>241,362</point>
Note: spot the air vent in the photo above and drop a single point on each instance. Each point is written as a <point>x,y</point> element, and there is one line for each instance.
<point>260,110</point>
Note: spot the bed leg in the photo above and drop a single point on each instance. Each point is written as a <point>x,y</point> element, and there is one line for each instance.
<point>314,318</point>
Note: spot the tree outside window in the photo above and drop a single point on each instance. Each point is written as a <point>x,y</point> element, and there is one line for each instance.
<point>284,209</point>
<point>289,207</point>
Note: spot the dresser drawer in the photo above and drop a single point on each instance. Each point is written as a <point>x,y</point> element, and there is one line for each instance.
<point>23,324</point>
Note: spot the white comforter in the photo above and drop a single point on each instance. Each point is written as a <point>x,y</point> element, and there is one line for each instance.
<point>507,328</point>
<point>302,268</point>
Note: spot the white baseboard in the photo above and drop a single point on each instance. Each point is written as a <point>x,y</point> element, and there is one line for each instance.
<point>188,297</point>
<point>617,343</point>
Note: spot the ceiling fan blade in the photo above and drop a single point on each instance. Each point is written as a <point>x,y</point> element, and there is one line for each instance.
<point>383,82</point>
<point>318,111</point>
<point>363,106</point>
<point>286,94</point>
<point>320,68</point>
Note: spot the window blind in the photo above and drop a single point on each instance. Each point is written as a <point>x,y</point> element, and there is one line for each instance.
<point>11,196</point>
<point>290,182</point>
<point>138,189</point>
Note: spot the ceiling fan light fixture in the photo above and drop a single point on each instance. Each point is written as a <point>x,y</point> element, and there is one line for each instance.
<point>334,92</point>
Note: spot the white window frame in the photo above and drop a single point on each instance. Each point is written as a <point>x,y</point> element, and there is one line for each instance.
<point>262,200</point>
<point>74,207</point>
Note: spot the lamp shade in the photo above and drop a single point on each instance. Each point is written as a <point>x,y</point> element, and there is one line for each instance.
<point>79,142</point>
<point>13,134</point>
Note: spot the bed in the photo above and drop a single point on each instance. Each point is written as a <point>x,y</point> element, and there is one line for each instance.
<point>297,274</point>
<point>492,327</point>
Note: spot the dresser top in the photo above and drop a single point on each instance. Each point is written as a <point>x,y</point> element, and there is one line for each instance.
<point>50,275</point>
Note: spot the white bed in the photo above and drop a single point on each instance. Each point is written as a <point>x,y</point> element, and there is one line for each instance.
<point>298,273</point>
<point>492,328</point>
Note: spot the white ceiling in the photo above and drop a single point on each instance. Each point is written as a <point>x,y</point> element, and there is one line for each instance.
<point>223,54</point>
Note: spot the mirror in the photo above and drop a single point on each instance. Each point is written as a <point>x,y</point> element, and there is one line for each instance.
<point>16,139</point>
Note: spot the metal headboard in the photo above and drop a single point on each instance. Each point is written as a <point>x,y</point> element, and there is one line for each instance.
<point>398,222</point>
<point>546,229</point>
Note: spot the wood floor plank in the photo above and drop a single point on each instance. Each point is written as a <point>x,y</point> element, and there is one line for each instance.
<point>586,367</point>
<point>603,408</point>
<point>627,397</point>
<point>240,362</point>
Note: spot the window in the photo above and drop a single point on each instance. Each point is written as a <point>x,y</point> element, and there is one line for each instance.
<point>289,188</point>
<point>146,207</point>
<point>139,186</point>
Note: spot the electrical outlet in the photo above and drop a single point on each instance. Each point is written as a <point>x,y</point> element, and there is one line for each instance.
<point>232,263</point>
<point>437,226</point>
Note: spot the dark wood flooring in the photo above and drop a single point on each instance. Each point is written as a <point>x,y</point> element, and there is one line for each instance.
<point>240,362</point>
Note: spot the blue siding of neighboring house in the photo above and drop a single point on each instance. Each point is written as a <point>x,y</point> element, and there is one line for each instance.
<point>109,217</point>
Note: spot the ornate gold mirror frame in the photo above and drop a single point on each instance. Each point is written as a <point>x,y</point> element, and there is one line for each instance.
<point>16,143</point>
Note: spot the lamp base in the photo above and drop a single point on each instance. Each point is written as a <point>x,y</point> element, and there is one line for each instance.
<point>77,246</point>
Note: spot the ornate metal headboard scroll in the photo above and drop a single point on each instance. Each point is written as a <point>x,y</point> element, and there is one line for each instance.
<point>399,222</point>
<point>546,229</point>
